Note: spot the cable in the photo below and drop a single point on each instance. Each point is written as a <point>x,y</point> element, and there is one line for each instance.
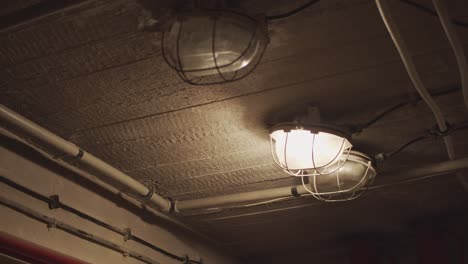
<point>408,2</point>
<point>432,12</point>
<point>406,145</point>
<point>219,209</point>
<point>434,132</point>
<point>54,223</point>
<point>292,12</point>
<point>383,185</point>
<point>390,184</point>
<point>252,204</point>
<point>131,199</point>
<point>460,126</point>
<point>383,156</point>
<point>379,116</point>
<point>360,128</point>
<point>53,200</point>
<point>408,62</point>
<point>456,44</point>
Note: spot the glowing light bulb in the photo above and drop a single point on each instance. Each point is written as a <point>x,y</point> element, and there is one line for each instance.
<point>300,149</point>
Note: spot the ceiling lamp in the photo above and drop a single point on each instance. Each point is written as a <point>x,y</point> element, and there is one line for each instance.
<point>213,46</point>
<point>303,150</point>
<point>346,181</point>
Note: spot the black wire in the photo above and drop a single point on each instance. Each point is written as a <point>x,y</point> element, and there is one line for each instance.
<point>374,120</point>
<point>292,12</point>
<point>460,126</point>
<point>25,190</point>
<point>92,219</point>
<point>384,113</point>
<point>54,223</point>
<point>408,2</point>
<point>404,146</point>
<point>162,251</point>
<point>453,128</point>
<point>89,218</point>
<point>432,12</point>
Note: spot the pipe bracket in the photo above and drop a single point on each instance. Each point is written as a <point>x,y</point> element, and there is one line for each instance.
<point>148,195</point>
<point>172,208</point>
<point>294,192</point>
<point>436,132</point>
<point>51,224</point>
<point>128,234</point>
<point>80,154</point>
<point>54,202</point>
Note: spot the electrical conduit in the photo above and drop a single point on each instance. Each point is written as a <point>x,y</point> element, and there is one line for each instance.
<point>456,44</point>
<point>299,190</point>
<point>405,55</point>
<point>54,223</point>
<point>37,132</point>
<point>105,185</point>
<point>12,118</point>
<point>55,203</point>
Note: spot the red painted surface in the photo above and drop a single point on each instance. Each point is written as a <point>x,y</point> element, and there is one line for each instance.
<point>460,252</point>
<point>431,246</point>
<point>33,253</point>
<point>363,252</point>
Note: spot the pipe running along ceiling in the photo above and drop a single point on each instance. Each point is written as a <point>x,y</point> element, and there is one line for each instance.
<point>127,108</point>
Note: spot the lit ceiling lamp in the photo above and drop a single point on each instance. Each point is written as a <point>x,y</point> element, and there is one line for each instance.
<point>303,150</point>
<point>322,153</point>
<point>347,181</point>
<point>213,46</point>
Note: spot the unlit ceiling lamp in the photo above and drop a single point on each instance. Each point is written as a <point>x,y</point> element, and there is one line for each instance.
<point>351,174</point>
<point>213,46</point>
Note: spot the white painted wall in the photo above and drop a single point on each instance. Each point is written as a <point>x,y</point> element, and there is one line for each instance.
<point>48,182</point>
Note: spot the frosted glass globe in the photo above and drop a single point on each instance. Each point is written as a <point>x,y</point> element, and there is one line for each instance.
<point>301,149</point>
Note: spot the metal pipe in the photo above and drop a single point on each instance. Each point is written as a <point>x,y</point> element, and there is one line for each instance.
<point>456,44</point>
<point>9,117</point>
<point>54,203</point>
<point>439,168</point>
<point>67,148</point>
<point>209,202</point>
<point>54,223</point>
<point>106,186</point>
<point>408,62</point>
<point>238,198</point>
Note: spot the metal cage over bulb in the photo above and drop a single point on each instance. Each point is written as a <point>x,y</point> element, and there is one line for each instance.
<point>305,150</point>
<point>350,175</point>
<point>213,46</point>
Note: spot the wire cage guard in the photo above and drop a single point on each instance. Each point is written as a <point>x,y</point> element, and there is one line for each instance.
<point>213,46</point>
<point>306,152</point>
<point>351,174</point>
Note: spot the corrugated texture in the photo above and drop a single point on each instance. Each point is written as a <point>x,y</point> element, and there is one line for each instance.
<point>92,77</point>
